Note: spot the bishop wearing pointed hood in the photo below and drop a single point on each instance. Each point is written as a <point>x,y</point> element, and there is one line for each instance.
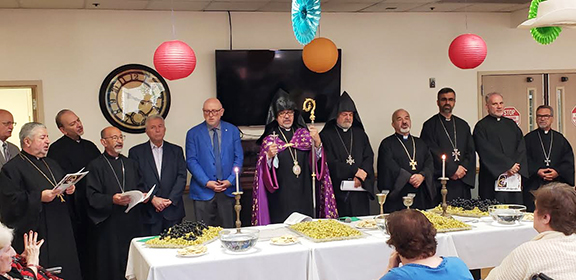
<point>350,157</point>
<point>283,181</point>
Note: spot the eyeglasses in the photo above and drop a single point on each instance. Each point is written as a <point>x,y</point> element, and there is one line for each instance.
<point>286,113</point>
<point>8,123</point>
<point>116,137</point>
<point>543,116</point>
<point>211,112</point>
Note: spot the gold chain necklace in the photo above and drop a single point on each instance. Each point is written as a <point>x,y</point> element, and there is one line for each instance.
<point>296,168</point>
<point>412,159</point>
<point>43,174</point>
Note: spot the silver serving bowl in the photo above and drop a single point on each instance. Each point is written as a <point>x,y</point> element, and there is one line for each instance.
<point>239,241</point>
<point>507,214</point>
<point>381,222</point>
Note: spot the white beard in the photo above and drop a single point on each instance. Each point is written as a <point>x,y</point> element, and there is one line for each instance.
<point>405,130</point>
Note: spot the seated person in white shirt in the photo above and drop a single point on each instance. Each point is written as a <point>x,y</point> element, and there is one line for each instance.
<point>553,250</point>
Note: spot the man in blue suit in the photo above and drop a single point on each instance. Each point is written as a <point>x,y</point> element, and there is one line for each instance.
<point>213,150</point>
<point>161,164</point>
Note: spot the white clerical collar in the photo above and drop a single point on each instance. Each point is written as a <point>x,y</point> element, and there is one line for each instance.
<point>498,119</point>
<point>546,131</point>
<point>405,137</point>
<point>343,129</point>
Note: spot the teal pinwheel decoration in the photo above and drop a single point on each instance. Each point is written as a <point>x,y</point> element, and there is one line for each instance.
<point>542,35</point>
<point>305,19</point>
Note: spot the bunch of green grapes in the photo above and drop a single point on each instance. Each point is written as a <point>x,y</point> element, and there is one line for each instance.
<point>324,229</point>
<point>444,223</point>
<point>459,211</point>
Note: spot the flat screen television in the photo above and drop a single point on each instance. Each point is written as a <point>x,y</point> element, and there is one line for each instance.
<point>246,81</point>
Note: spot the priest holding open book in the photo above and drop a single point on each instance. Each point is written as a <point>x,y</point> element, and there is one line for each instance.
<point>29,201</point>
<point>112,174</point>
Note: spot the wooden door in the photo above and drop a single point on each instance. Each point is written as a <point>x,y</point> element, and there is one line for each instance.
<point>563,100</point>
<point>522,92</point>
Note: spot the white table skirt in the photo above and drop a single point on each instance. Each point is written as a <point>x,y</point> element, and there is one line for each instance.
<point>484,246</point>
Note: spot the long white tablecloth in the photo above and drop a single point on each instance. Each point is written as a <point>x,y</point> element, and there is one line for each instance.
<point>484,246</point>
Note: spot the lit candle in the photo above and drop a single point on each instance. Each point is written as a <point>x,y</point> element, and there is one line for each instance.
<point>236,169</point>
<point>443,166</point>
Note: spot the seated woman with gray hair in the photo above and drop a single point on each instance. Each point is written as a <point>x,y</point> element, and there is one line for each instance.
<point>24,266</point>
<point>553,250</point>
<point>414,240</point>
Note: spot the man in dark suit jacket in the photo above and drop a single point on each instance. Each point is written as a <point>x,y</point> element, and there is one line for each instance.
<point>7,149</point>
<point>213,150</point>
<point>161,164</point>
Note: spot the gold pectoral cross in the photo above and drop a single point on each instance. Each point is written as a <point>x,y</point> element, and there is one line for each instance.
<point>413,163</point>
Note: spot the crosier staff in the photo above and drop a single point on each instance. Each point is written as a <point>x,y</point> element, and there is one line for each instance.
<point>309,106</point>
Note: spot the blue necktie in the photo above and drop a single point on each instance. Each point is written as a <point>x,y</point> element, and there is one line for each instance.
<point>216,147</point>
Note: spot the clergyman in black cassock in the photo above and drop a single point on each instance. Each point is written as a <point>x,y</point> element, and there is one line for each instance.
<point>72,154</point>
<point>110,175</point>
<point>550,156</point>
<point>28,202</point>
<point>350,157</point>
<point>500,146</point>
<point>405,166</point>
<point>447,134</point>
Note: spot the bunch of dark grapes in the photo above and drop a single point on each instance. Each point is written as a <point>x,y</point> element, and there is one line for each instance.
<point>181,230</point>
<point>469,204</point>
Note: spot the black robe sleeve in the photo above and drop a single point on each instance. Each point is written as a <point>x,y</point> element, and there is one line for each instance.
<point>565,168</point>
<point>100,202</point>
<point>16,200</point>
<point>494,160</point>
<point>390,175</point>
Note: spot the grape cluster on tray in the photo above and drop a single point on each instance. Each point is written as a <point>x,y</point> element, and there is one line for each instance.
<point>184,234</point>
<point>470,204</point>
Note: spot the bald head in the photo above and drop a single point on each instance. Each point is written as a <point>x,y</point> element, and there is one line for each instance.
<point>213,111</point>
<point>112,140</point>
<point>401,122</point>
<point>6,124</point>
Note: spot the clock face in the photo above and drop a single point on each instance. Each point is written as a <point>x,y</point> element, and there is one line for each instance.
<point>130,94</point>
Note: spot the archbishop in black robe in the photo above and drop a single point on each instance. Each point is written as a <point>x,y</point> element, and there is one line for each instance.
<point>561,159</point>
<point>339,144</point>
<point>73,155</point>
<point>434,135</point>
<point>21,186</point>
<point>394,172</point>
<point>500,144</point>
<point>112,229</point>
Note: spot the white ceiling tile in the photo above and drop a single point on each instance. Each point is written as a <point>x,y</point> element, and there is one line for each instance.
<point>277,7</point>
<point>392,7</point>
<point>7,4</point>
<point>234,6</point>
<point>516,8</point>
<point>413,1</point>
<point>332,6</point>
<point>52,4</point>
<point>493,7</point>
<point>178,6</point>
<point>439,7</point>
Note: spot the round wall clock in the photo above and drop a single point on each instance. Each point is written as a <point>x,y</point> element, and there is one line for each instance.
<point>130,94</point>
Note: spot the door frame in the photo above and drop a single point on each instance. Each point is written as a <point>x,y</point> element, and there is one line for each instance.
<point>480,95</point>
<point>37,98</point>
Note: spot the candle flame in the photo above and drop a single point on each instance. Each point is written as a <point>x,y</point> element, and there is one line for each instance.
<point>236,169</point>
<point>443,156</point>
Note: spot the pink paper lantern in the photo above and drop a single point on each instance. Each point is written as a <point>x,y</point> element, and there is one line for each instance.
<point>467,51</point>
<point>174,60</point>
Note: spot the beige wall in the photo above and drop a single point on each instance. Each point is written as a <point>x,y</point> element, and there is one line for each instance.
<point>387,58</point>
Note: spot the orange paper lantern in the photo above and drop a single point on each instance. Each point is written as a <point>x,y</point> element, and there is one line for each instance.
<point>174,60</point>
<point>320,55</point>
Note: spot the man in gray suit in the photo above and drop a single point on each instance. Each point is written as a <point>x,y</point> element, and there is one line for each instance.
<point>7,149</point>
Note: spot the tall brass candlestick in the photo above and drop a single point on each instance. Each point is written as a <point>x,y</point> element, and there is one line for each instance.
<point>237,208</point>
<point>444,192</point>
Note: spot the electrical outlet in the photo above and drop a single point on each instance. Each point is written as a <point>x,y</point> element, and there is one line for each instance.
<point>432,82</point>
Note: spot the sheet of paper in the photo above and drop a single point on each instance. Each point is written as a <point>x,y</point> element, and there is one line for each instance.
<point>137,197</point>
<point>506,183</point>
<point>296,217</point>
<point>70,180</point>
<point>348,186</point>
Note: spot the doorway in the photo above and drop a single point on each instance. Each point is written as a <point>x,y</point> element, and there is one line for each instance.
<point>22,101</point>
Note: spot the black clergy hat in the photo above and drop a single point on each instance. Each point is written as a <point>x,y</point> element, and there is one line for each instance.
<point>280,102</point>
<point>345,104</point>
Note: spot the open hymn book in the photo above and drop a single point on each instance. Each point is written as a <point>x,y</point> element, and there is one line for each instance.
<point>137,197</point>
<point>70,180</point>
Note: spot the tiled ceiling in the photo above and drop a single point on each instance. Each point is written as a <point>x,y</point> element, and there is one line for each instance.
<point>362,6</point>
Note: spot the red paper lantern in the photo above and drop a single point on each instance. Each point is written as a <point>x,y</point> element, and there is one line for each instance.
<point>467,51</point>
<point>174,60</point>
<point>320,55</point>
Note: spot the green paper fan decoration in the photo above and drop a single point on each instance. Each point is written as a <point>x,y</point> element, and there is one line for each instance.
<point>542,35</point>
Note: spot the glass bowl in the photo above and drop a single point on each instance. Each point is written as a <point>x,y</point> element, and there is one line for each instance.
<point>507,214</point>
<point>239,241</point>
<point>381,222</point>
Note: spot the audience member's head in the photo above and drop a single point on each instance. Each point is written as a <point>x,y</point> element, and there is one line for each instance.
<point>555,208</point>
<point>6,250</point>
<point>411,234</point>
